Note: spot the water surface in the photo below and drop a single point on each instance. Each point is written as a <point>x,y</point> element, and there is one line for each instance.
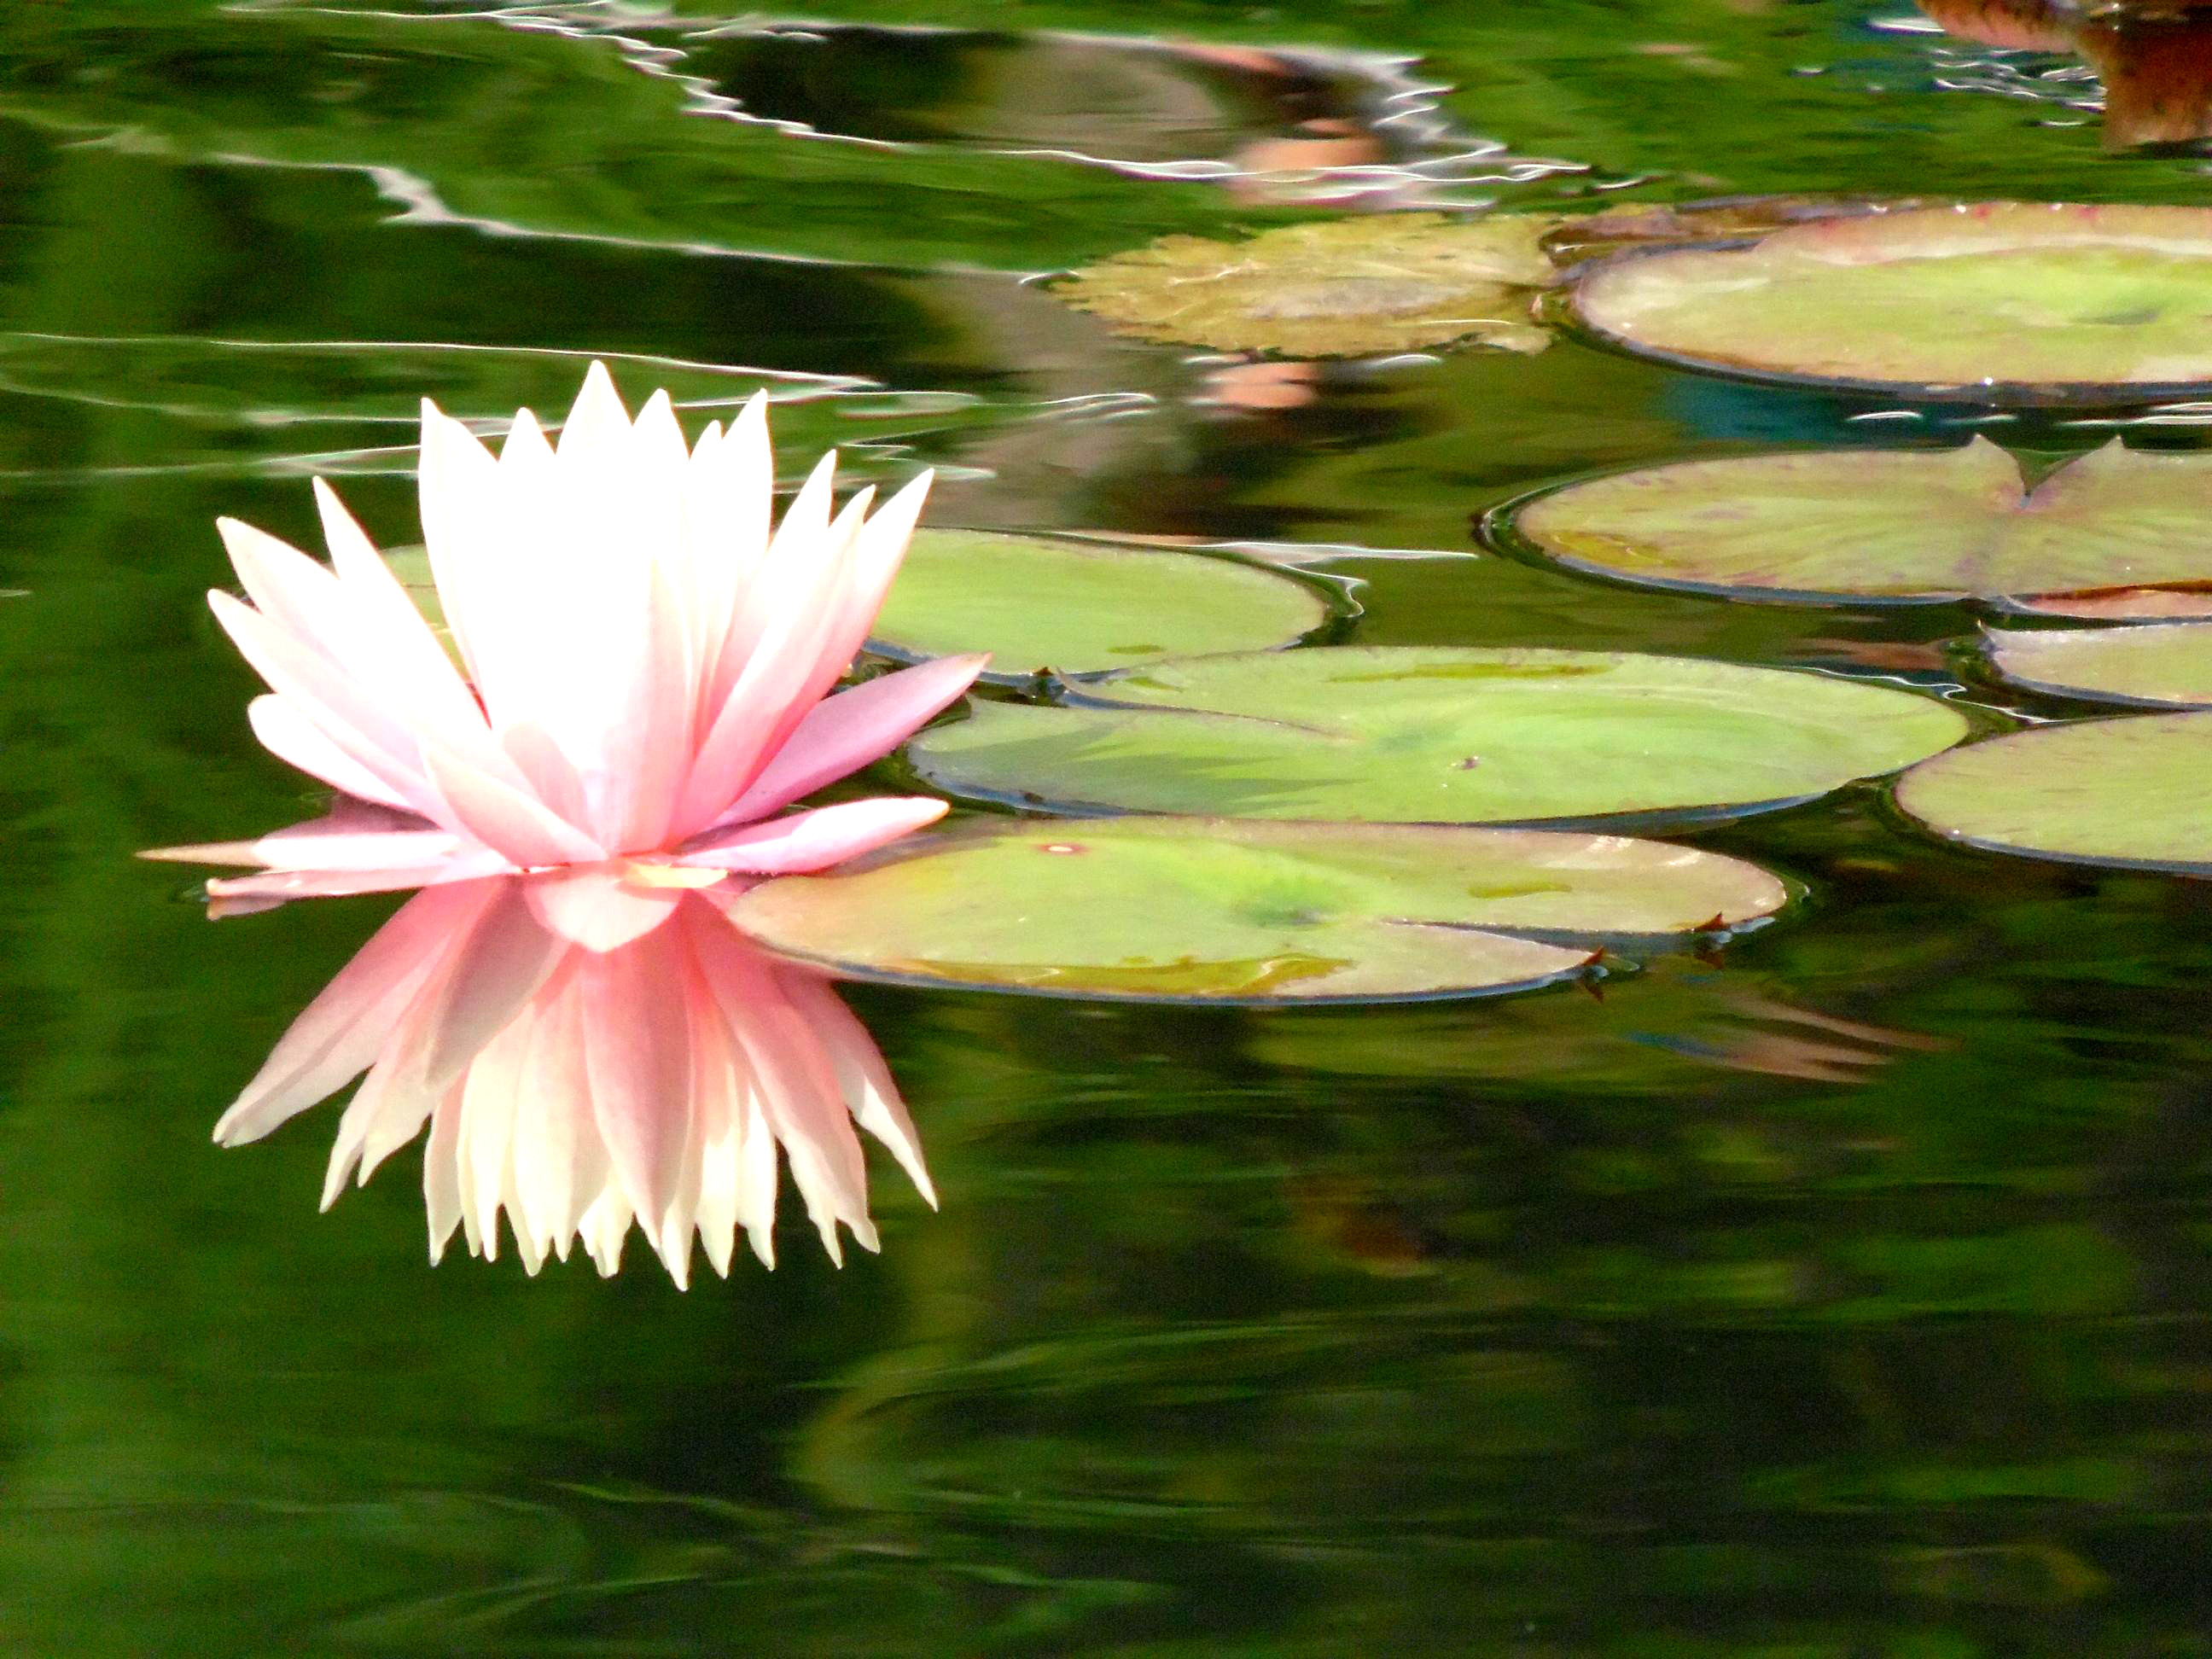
<point>1847,1297</point>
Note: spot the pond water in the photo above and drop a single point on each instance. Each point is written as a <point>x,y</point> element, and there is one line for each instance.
<point>1846,1294</point>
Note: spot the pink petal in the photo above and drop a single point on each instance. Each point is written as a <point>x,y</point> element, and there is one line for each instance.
<point>729,489</point>
<point>814,839</point>
<point>339,1033</point>
<point>403,637</point>
<point>343,713</point>
<point>509,957</point>
<point>757,715</point>
<point>653,719</point>
<point>550,773</point>
<point>504,961</point>
<point>334,846</point>
<point>561,1165</point>
<point>841,734</point>
<point>283,885</point>
<point>517,825</point>
<point>597,909</point>
<point>461,496</point>
<point>785,565</point>
<point>367,633</point>
<point>637,1055</point>
<point>290,736</point>
<point>795,1084</point>
<point>876,555</point>
<point>865,1080</point>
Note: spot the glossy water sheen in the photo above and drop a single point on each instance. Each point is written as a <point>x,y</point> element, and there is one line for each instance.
<point>1849,1298</point>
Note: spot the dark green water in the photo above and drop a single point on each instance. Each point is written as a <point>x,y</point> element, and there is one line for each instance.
<point>1849,1298</point>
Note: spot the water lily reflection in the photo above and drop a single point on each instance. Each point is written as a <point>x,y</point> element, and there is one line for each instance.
<point>587,1051</point>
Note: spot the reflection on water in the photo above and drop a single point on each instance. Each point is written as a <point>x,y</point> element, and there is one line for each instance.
<point>587,1056</point>
<point>2154,60</point>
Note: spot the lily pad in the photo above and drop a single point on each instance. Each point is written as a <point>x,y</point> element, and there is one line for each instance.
<point>2135,791</point>
<point>1902,526</point>
<point>1219,910</point>
<point>2159,662</point>
<point>1425,735</point>
<point>1344,288</point>
<point>1078,608</point>
<point>2010,301</point>
<point>2170,603</point>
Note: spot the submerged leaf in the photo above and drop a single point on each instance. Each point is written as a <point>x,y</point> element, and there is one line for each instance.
<point>2164,663</point>
<point>1999,301</point>
<point>2135,792</point>
<point>1193,910</point>
<point>1080,607</point>
<point>1903,526</point>
<point>1405,734</point>
<point>1345,287</point>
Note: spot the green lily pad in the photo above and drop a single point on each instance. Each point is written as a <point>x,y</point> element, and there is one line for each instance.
<point>1423,735</point>
<point>2135,792</point>
<point>1342,288</point>
<point>2008,301</point>
<point>2158,663</point>
<point>1898,526</point>
<point>1194,909</point>
<point>1077,608</point>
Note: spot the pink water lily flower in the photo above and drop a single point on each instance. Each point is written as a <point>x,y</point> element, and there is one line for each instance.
<point>648,669</point>
<point>578,1091</point>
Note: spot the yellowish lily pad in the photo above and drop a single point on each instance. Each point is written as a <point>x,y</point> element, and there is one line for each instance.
<point>1345,287</point>
<point>2013,302</point>
<point>2135,792</point>
<point>1893,524</point>
<point>2166,664</point>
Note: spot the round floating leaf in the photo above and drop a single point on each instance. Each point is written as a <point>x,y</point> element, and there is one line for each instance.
<point>1905,525</point>
<point>2129,791</point>
<point>1345,287</point>
<point>1222,911</point>
<point>2001,301</point>
<point>2166,663</point>
<point>1075,607</point>
<point>1404,734</point>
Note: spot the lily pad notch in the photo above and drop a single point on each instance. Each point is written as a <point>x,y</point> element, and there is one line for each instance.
<point>1898,527</point>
